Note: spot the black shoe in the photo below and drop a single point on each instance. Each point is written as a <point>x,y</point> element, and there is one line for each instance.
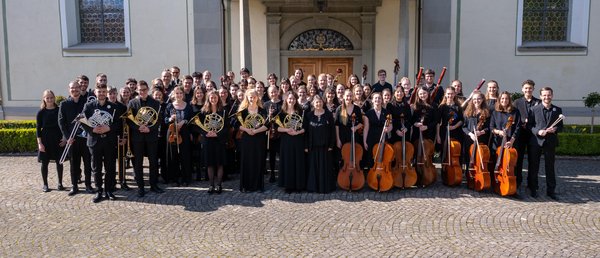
<point>211,190</point>
<point>141,192</point>
<point>45,189</point>
<point>125,187</point>
<point>219,189</point>
<point>60,187</point>
<point>534,194</point>
<point>156,189</point>
<point>74,191</point>
<point>97,197</point>
<point>553,196</point>
<point>89,189</point>
<point>110,196</point>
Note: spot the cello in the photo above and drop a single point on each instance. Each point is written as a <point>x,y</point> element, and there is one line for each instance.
<point>506,182</point>
<point>451,170</point>
<point>425,167</point>
<point>479,176</point>
<point>351,176</point>
<point>404,174</point>
<point>380,177</point>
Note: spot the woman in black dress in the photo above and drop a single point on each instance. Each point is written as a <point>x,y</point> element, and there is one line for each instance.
<point>499,117</point>
<point>214,131</point>
<point>197,102</point>
<point>177,114</point>
<point>49,138</point>
<point>292,169</point>
<point>331,101</point>
<point>253,142</point>
<point>319,145</point>
<point>374,122</point>
<point>401,115</point>
<point>476,123</point>
<point>343,121</point>
<point>159,95</point>
<point>449,109</point>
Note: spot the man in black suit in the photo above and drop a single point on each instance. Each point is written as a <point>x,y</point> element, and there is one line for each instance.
<point>381,83</point>
<point>101,140</point>
<point>144,139</point>
<point>524,105</point>
<point>545,139</point>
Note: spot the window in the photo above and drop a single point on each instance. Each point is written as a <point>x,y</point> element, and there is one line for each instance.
<point>553,26</point>
<point>95,27</point>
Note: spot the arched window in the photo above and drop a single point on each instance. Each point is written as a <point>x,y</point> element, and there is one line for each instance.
<point>320,40</point>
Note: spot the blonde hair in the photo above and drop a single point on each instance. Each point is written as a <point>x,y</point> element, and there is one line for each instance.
<point>43,105</point>
<point>246,103</point>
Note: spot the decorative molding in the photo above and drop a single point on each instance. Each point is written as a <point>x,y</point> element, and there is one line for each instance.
<point>320,40</point>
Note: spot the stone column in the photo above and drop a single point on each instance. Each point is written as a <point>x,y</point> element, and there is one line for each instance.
<point>246,46</point>
<point>273,47</point>
<point>368,43</point>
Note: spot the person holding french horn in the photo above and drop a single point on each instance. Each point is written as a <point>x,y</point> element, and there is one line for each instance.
<point>251,124</point>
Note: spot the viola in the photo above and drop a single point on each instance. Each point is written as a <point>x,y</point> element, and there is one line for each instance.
<point>174,136</point>
<point>425,167</point>
<point>451,170</point>
<point>351,177</point>
<point>479,176</point>
<point>380,177</point>
<point>506,182</point>
<point>404,173</point>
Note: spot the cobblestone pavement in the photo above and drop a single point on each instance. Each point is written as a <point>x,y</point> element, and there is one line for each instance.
<point>185,221</point>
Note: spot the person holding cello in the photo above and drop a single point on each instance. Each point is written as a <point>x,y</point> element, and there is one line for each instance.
<point>424,121</point>
<point>451,120</point>
<point>504,113</point>
<point>374,121</point>
<point>344,128</point>
<point>477,127</point>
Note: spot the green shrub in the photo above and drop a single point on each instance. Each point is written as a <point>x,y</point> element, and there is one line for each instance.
<point>17,124</point>
<point>580,129</point>
<point>17,140</point>
<point>578,144</point>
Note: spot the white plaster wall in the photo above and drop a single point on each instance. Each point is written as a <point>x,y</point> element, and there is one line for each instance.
<point>159,39</point>
<point>387,23</point>
<point>235,39</point>
<point>487,50</point>
<point>258,31</point>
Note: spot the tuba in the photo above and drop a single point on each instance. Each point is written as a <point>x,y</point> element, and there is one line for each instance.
<point>145,116</point>
<point>212,122</point>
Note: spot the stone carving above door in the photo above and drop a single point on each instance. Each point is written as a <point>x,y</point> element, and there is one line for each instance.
<point>320,40</point>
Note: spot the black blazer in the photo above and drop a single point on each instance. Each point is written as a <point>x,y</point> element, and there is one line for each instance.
<point>89,110</point>
<point>537,122</point>
<point>135,105</point>
<point>521,105</point>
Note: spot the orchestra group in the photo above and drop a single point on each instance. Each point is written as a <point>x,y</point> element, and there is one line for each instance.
<point>325,132</point>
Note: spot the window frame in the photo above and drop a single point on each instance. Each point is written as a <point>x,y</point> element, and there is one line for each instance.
<point>71,34</point>
<point>577,33</point>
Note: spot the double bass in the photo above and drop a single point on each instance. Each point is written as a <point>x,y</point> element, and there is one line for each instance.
<point>506,182</point>
<point>479,176</point>
<point>451,170</point>
<point>425,167</point>
<point>351,177</point>
<point>404,174</point>
<point>380,177</point>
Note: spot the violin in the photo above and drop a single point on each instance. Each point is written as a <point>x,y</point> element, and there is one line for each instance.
<point>506,182</point>
<point>351,177</point>
<point>174,136</point>
<point>425,167</point>
<point>479,176</point>
<point>380,177</point>
<point>451,170</point>
<point>404,173</point>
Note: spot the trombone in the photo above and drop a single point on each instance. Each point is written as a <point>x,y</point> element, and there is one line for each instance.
<point>63,157</point>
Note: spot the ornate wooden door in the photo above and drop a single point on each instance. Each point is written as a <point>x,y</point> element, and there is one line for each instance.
<point>322,65</point>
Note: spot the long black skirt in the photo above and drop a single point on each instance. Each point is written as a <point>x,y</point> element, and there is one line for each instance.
<point>252,162</point>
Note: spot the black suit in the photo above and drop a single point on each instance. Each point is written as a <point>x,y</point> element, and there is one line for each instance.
<point>144,142</point>
<point>68,111</point>
<point>102,145</point>
<point>541,118</point>
<point>522,141</point>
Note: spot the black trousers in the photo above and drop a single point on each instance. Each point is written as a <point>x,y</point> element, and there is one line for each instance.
<point>79,151</point>
<point>535,153</point>
<point>521,145</point>
<point>103,153</point>
<point>150,148</point>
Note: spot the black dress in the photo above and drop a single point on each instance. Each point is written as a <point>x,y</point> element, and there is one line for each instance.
<point>292,160</point>
<point>214,147</point>
<point>252,157</point>
<point>376,126</point>
<point>344,128</point>
<point>47,129</point>
<point>320,139</point>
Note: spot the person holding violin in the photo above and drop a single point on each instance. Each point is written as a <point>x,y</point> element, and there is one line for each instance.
<point>343,122</point>
<point>177,114</point>
<point>214,141</point>
<point>292,170</point>
<point>251,119</point>
<point>545,123</point>
<point>503,111</point>
<point>374,121</point>
<point>477,129</point>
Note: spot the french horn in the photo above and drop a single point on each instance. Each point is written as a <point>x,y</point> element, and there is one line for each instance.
<point>145,116</point>
<point>212,122</point>
<point>293,121</point>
